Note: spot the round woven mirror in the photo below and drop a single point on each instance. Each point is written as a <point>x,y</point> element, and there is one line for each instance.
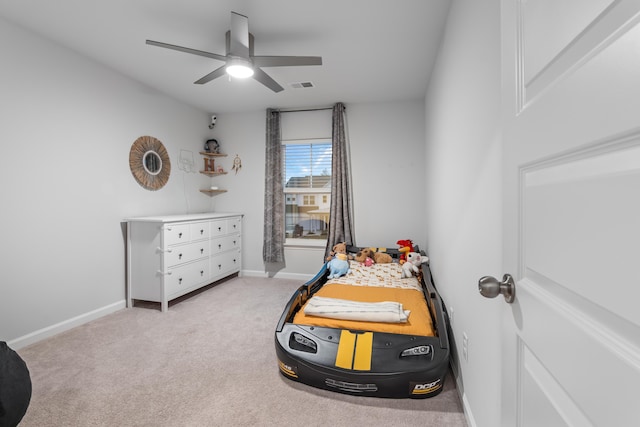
<point>149,163</point>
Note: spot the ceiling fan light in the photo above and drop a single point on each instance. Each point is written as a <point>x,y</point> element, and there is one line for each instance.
<point>239,68</point>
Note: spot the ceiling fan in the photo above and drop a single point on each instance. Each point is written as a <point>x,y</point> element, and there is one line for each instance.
<point>240,60</point>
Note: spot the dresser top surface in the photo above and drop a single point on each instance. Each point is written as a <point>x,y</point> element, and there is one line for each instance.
<point>183,217</point>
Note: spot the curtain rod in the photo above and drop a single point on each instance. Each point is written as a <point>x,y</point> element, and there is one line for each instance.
<point>293,110</point>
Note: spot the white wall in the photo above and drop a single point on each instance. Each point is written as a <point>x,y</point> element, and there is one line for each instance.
<point>387,148</point>
<point>463,203</point>
<point>67,128</point>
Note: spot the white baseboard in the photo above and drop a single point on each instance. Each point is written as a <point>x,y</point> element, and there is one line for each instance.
<point>471,422</point>
<point>65,325</point>
<point>466,408</point>
<point>280,275</point>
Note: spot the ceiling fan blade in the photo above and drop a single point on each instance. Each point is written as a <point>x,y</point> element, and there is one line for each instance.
<point>264,78</point>
<point>212,75</point>
<point>286,61</point>
<point>187,50</point>
<point>239,36</point>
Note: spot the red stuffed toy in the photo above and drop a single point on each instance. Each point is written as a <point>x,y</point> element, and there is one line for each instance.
<point>406,246</point>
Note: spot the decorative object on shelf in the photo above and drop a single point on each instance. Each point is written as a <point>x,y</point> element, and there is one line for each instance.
<point>149,163</point>
<point>209,164</point>
<point>212,146</point>
<point>237,164</point>
<point>213,121</point>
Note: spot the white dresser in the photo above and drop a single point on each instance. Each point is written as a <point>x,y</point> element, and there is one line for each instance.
<point>169,256</point>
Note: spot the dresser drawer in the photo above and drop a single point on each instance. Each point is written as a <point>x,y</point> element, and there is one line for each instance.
<point>199,230</point>
<point>225,263</point>
<point>218,228</point>
<point>180,254</point>
<point>176,233</point>
<point>184,277</point>
<point>234,225</point>
<point>226,243</point>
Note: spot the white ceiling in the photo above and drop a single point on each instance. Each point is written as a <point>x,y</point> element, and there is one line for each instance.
<point>373,51</point>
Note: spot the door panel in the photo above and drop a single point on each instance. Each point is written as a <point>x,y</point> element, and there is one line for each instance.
<point>571,211</point>
<point>554,38</point>
<point>584,369</point>
<point>584,204</point>
<point>564,19</point>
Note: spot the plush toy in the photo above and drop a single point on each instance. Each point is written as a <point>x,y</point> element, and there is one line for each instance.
<point>406,246</point>
<point>382,258</point>
<point>338,266</point>
<point>368,262</point>
<point>412,265</point>
<point>338,248</point>
<point>377,257</point>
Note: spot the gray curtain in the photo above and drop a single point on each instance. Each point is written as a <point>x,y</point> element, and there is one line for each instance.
<point>274,236</point>
<point>341,217</point>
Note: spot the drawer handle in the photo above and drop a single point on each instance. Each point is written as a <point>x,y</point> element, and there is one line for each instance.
<point>164,250</point>
<point>201,231</point>
<point>234,242</point>
<point>180,281</point>
<point>219,246</point>
<point>201,251</point>
<point>234,261</point>
<point>179,235</point>
<point>219,228</point>
<point>219,266</point>
<point>202,272</point>
<point>179,256</point>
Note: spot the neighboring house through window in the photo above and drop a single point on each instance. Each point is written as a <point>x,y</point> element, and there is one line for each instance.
<point>307,188</point>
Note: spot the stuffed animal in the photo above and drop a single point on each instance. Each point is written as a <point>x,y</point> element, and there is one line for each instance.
<point>382,258</point>
<point>338,266</point>
<point>368,262</point>
<point>338,248</point>
<point>406,246</point>
<point>377,257</point>
<point>412,265</point>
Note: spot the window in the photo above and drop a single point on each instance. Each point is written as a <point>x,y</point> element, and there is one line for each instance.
<point>307,188</point>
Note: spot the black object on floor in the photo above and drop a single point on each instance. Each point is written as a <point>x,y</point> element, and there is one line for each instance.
<point>15,387</point>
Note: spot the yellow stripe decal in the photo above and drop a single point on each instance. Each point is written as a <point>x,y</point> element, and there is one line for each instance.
<point>344,357</point>
<point>362,359</point>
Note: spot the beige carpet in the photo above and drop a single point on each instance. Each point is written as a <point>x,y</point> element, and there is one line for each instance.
<point>209,361</point>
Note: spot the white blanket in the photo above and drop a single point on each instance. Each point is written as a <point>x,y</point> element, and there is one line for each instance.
<point>385,312</point>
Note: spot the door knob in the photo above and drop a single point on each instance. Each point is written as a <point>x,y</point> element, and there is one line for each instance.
<point>490,287</point>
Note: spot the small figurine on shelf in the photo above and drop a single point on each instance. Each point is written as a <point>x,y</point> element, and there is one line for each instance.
<point>220,169</point>
<point>209,164</point>
<point>212,146</point>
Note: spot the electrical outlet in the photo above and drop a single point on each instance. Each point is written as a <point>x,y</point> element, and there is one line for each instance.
<point>465,346</point>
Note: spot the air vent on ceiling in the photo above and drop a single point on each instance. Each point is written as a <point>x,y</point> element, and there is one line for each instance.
<point>301,85</point>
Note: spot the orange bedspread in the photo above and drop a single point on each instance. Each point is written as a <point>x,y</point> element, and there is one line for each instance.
<point>419,322</point>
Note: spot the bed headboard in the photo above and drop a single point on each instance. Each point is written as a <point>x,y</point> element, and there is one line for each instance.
<point>394,252</point>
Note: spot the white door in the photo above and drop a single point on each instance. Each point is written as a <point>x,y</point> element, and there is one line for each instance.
<point>571,73</point>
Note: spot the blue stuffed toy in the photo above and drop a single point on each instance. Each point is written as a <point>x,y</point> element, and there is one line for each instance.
<point>338,266</point>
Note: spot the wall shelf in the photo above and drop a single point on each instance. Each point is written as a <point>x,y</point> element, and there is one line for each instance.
<point>213,173</point>
<point>213,192</point>
<point>208,154</point>
<point>211,170</point>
